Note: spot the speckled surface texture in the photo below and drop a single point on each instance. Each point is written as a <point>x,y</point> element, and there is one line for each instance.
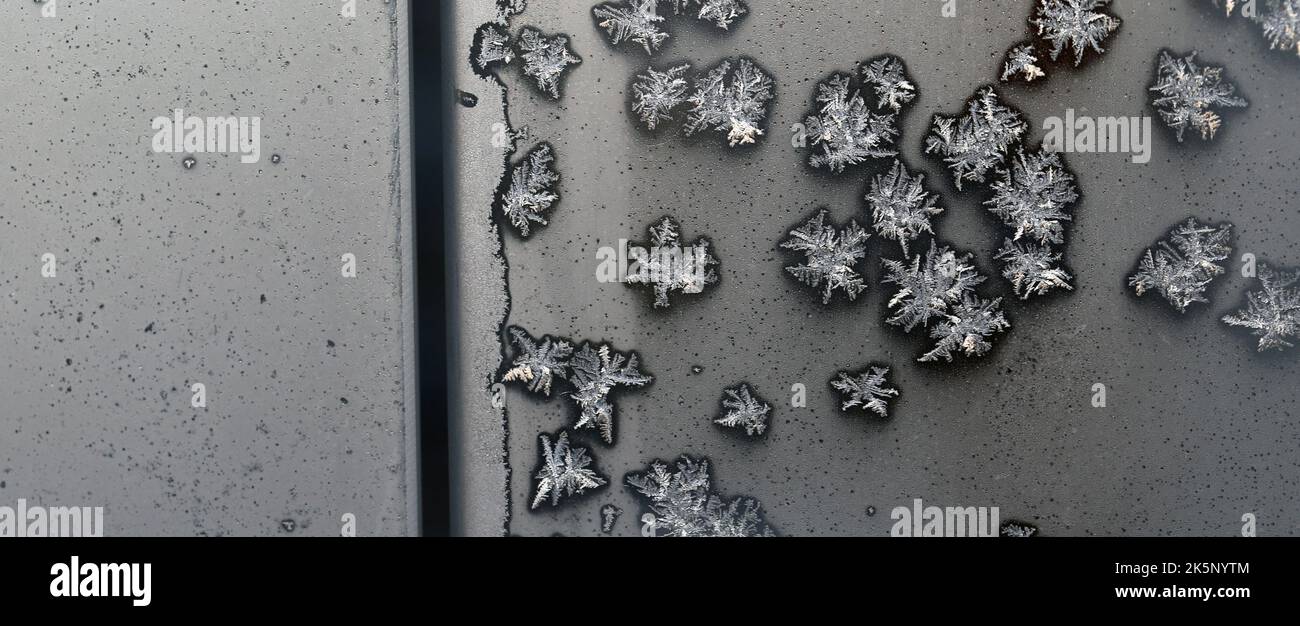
<point>227,274</point>
<point>1198,430</point>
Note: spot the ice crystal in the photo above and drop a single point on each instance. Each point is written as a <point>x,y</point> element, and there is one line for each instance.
<point>1012,528</point>
<point>929,286</point>
<point>532,189</point>
<point>893,87</point>
<point>669,266</point>
<point>538,365</point>
<point>1022,62</point>
<point>546,59</point>
<point>633,20</point>
<point>1281,24</point>
<point>734,102</point>
<point>508,8</point>
<point>683,504</point>
<point>900,207</point>
<point>721,12</point>
<point>596,372</point>
<point>655,94</point>
<point>1273,312</point>
<point>1032,268</point>
<point>564,471</point>
<point>492,47</point>
<point>1079,24</point>
<point>1187,92</point>
<point>865,389</point>
<point>1183,269</point>
<point>967,329</point>
<point>1228,6</point>
<point>978,141</point>
<point>845,129</point>
<point>831,255</point>
<point>609,515</point>
<point>1033,194</point>
<point>744,410</point>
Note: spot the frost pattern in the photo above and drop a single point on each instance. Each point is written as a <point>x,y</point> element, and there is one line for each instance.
<point>831,255</point>
<point>846,130</point>
<point>744,410</point>
<point>893,87</point>
<point>1012,528</point>
<point>595,374</point>
<point>1032,196</point>
<point>1273,312</point>
<point>900,207</point>
<point>929,286</point>
<point>655,94</point>
<point>1022,63</point>
<point>564,471</point>
<point>1187,92</point>
<point>609,515</point>
<point>532,189</point>
<point>967,329</point>
<point>634,20</point>
<point>546,59</point>
<point>493,45</point>
<point>731,102</point>
<point>1078,24</point>
<point>1281,24</point>
<point>538,365</point>
<point>978,141</point>
<point>669,267</point>
<point>685,506</point>
<point>1032,268</point>
<point>721,12</point>
<point>1181,271</point>
<point>865,389</point>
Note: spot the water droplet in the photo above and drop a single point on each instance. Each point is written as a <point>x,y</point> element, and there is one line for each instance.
<point>189,162</point>
<point>275,159</point>
<point>466,98</point>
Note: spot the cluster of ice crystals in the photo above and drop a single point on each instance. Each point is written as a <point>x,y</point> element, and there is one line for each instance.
<point>1182,270</point>
<point>684,505</point>
<point>532,189</point>
<point>721,12</point>
<point>1022,62</point>
<point>830,256</point>
<point>1079,24</point>
<point>894,88</point>
<point>732,102</point>
<point>632,20</point>
<point>929,286</point>
<point>596,372</point>
<point>900,207</point>
<point>1032,268</point>
<point>744,410</point>
<point>978,141</point>
<point>564,472</point>
<point>538,364</point>
<point>609,515</point>
<point>846,131</point>
<point>865,389</point>
<point>655,94</point>
<point>1032,195</point>
<point>668,266</point>
<point>1011,528</point>
<point>546,59</point>
<point>493,46</point>
<point>967,328</point>
<point>1188,93</point>
<point>1281,24</point>
<point>1273,312</point>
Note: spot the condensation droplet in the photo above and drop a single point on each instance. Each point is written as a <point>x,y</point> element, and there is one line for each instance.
<point>275,159</point>
<point>466,98</point>
<point>189,162</point>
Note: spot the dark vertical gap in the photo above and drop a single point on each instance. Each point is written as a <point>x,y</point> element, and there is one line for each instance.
<point>428,96</point>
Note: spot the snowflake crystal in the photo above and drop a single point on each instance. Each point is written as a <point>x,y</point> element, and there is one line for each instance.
<point>1022,63</point>
<point>532,189</point>
<point>634,20</point>
<point>546,59</point>
<point>1181,272</point>
<point>564,471</point>
<point>1032,268</point>
<point>595,374</point>
<point>538,365</point>
<point>1273,312</point>
<point>492,47</point>
<point>736,106</point>
<point>1281,24</point>
<point>831,255</point>
<point>846,130</point>
<point>668,266</point>
<point>865,389</point>
<point>1033,194</point>
<point>967,328</point>
<point>978,141</point>
<point>889,78</point>
<point>929,286</point>
<point>900,207</point>
<point>1080,24</point>
<point>609,515</point>
<point>683,504</point>
<point>721,12</point>
<point>1187,92</point>
<point>655,94</point>
<point>744,410</point>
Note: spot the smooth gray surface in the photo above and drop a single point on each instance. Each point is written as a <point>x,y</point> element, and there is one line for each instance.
<point>95,409</point>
